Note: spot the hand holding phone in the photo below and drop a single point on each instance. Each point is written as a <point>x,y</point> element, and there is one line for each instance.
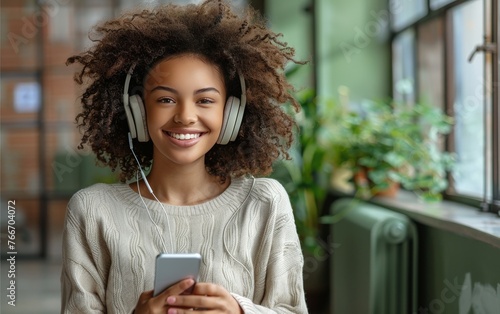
<point>149,304</point>
<point>172,268</point>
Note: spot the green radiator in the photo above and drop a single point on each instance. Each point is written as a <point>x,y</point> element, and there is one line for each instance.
<point>375,261</point>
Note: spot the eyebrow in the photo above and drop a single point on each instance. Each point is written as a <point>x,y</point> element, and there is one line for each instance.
<point>199,91</point>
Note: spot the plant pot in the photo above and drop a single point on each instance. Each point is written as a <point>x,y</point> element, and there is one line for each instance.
<point>391,191</point>
<point>368,189</point>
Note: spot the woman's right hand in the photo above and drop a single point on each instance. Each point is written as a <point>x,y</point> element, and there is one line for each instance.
<point>148,304</point>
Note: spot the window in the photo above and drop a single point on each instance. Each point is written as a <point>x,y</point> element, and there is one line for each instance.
<point>446,53</point>
<point>403,71</point>
<point>405,12</point>
<point>468,99</point>
<point>431,58</point>
<point>40,166</point>
<point>436,4</point>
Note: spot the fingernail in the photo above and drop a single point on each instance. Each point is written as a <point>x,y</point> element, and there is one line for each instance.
<point>172,311</point>
<point>171,300</point>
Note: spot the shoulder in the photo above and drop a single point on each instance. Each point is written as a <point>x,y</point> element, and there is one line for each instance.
<point>275,206</point>
<point>94,197</point>
<point>95,188</point>
<point>271,194</point>
<point>269,188</point>
<point>93,192</point>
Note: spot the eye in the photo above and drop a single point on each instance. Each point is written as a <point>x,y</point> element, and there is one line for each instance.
<point>166,100</point>
<point>206,101</point>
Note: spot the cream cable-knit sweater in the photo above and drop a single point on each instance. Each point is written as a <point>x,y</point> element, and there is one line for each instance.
<point>246,237</point>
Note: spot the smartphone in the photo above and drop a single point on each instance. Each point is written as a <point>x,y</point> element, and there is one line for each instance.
<point>172,268</point>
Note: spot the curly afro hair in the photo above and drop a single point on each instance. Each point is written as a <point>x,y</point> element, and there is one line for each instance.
<point>214,32</point>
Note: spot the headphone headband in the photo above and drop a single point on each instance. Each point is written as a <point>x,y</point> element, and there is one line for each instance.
<point>243,89</point>
<point>127,83</point>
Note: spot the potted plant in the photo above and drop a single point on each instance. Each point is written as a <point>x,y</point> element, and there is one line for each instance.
<point>373,147</point>
<point>387,143</point>
<point>306,175</point>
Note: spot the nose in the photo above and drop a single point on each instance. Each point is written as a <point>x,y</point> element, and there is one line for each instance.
<point>185,114</point>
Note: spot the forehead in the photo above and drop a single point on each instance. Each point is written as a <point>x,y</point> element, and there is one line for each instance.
<point>184,67</point>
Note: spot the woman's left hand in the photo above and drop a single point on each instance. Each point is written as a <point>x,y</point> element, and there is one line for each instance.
<point>205,297</point>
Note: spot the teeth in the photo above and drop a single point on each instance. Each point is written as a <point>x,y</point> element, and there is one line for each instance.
<point>184,136</point>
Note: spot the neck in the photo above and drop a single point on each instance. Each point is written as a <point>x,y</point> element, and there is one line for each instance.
<point>181,185</point>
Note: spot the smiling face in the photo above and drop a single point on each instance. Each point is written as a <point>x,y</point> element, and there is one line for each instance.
<point>184,98</point>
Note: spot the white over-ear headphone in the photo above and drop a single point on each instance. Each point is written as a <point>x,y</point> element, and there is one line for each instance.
<point>134,109</point>
<point>136,114</point>
<point>233,115</point>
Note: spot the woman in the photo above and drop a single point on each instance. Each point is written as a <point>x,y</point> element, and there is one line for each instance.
<point>191,93</point>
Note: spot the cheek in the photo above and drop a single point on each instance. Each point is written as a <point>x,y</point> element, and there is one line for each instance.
<point>151,119</point>
<point>218,117</point>
<point>155,117</point>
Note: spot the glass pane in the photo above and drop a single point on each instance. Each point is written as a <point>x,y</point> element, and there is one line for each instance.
<point>405,12</point>
<point>59,42</point>
<point>469,100</point>
<point>436,4</point>
<point>60,27</point>
<point>19,161</point>
<point>431,62</point>
<point>87,17</point>
<point>68,168</point>
<point>403,67</point>
<point>61,102</point>
<point>22,214</point>
<point>21,29</point>
<point>64,161</point>
<point>56,213</point>
<point>20,97</point>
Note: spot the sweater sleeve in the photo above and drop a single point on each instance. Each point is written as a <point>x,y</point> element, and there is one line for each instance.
<point>83,289</point>
<point>284,291</point>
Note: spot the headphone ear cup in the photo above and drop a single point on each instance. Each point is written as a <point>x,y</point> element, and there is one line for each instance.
<point>229,120</point>
<point>239,117</point>
<point>130,117</point>
<point>139,115</point>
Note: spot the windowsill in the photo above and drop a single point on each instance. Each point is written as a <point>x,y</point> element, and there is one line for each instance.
<point>454,217</point>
